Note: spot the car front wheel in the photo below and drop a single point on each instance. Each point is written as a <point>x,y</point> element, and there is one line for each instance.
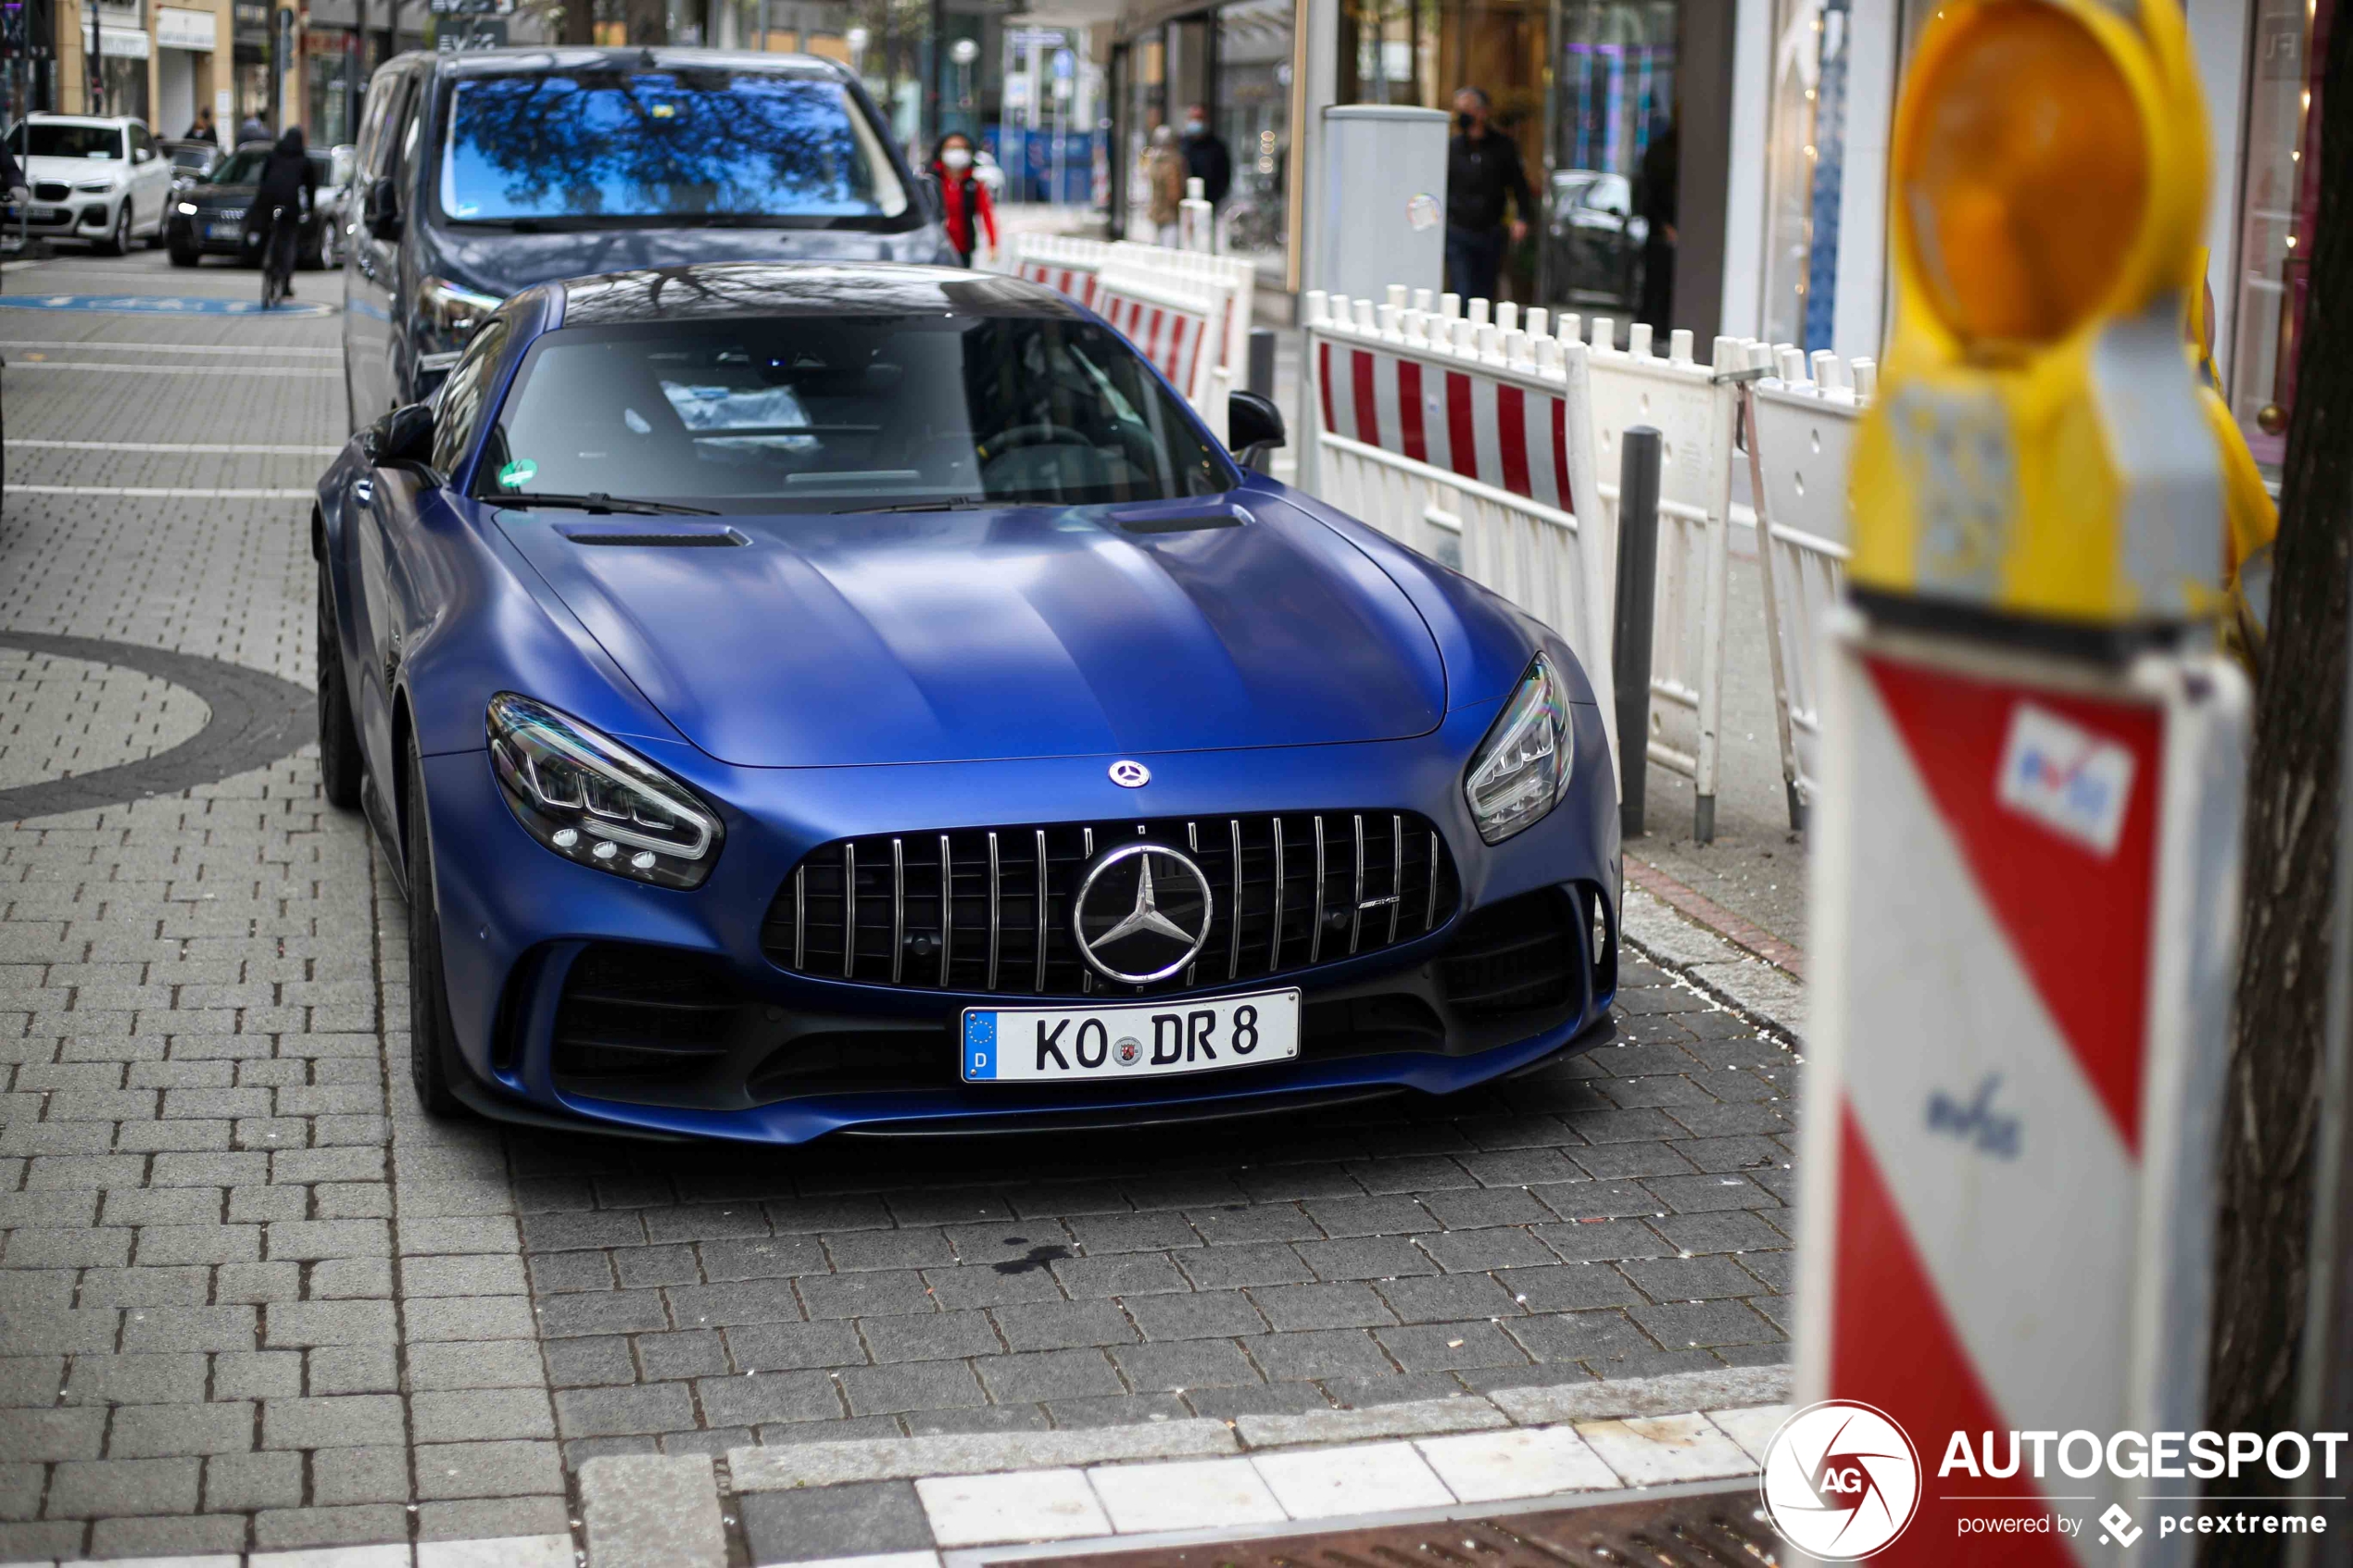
<point>432,1036</point>
<point>119,243</point>
<point>338,736</point>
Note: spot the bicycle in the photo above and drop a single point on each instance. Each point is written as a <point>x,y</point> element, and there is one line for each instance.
<point>278,258</point>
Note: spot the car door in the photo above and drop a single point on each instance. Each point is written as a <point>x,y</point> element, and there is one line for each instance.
<point>401,587</point>
<point>372,272</point>
<point>150,179</point>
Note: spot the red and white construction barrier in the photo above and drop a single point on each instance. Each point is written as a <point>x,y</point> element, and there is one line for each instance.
<point>1804,420</point>
<point>1692,411</point>
<point>1063,262</point>
<point>1473,444</point>
<point>2024,913</point>
<point>1174,322</point>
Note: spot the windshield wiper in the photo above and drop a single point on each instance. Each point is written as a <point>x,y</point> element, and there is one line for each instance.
<point>598,501</point>
<point>953,504</point>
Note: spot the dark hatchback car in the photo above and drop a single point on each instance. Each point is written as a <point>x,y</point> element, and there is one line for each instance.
<point>208,218</point>
<point>482,173</point>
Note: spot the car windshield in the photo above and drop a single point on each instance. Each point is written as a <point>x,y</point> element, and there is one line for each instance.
<point>68,140</point>
<point>244,167</point>
<point>846,413</point>
<point>190,157</point>
<point>628,147</point>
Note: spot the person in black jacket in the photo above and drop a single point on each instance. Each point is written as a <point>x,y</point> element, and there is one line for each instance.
<point>289,184</point>
<point>202,131</point>
<point>1482,169</point>
<point>1207,158</point>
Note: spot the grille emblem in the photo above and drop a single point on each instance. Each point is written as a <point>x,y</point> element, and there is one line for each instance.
<point>1134,928</point>
<point>1128,774</point>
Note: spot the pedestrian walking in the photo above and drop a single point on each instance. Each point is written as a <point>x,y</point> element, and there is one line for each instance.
<point>1482,169</point>
<point>1655,201</point>
<point>1167,170</point>
<point>968,212</point>
<point>203,129</point>
<point>252,130</point>
<point>289,187</point>
<point>1207,158</point>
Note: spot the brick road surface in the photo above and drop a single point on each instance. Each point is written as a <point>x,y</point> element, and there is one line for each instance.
<point>250,1298</point>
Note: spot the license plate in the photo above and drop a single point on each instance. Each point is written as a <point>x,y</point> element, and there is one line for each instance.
<point>220,230</point>
<point>1146,1040</point>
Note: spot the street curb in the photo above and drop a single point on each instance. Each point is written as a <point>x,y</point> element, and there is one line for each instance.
<point>652,1510</point>
<point>1726,973</point>
<point>790,1466</point>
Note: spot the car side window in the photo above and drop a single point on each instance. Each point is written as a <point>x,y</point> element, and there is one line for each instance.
<point>143,146</point>
<point>379,96</point>
<point>463,395</point>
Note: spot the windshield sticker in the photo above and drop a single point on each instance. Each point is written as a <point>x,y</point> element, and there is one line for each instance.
<point>517,474</point>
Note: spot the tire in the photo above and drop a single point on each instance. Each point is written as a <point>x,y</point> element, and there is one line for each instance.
<point>119,243</point>
<point>339,756</point>
<point>185,257</point>
<point>432,1037</point>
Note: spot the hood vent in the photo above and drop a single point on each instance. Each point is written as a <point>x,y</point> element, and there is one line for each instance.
<point>669,539</point>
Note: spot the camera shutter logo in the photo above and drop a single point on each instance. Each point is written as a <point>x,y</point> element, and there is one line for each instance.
<point>1841,1480</point>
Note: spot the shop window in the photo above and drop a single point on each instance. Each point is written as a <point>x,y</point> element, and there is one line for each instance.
<point>1806,155</point>
<point>1251,113</point>
<point>1609,229</point>
<point>2279,209</point>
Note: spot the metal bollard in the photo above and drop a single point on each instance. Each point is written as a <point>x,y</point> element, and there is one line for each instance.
<point>1262,361</point>
<point>1629,648</point>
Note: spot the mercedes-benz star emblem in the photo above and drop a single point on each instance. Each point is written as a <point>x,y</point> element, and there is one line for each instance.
<point>1130,775</point>
<point>1143,914</point>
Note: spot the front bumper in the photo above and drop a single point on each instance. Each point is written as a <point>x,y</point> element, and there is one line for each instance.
<point>532,945</point>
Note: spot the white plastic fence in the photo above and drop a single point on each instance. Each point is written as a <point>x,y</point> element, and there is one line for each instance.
<point>1692,412</point>
<point>1473,444</point>
<point>1801,438</point>
<point>1175,321</point>
<point>1235,275</point>
<point>1061,261</point>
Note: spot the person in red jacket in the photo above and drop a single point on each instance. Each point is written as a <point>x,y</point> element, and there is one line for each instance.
<point>970,213</point>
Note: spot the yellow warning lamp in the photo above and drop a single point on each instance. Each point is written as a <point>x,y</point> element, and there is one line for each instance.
<point>2037,450</point>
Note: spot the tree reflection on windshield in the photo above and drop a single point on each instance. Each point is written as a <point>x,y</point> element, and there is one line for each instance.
<point>669,144</point>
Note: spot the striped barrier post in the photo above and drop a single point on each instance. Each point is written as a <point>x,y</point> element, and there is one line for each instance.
<point>1471,443</point>
<point>2025,872</point>
<point>1234,273</point>
<point>1801,426</point>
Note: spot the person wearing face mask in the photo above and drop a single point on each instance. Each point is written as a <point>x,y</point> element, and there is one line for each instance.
<point>1207,158</point>
<point>969,212</point>
<point>1482,169</point>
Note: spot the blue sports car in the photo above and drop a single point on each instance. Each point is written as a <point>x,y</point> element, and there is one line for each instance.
<point>815,698</point>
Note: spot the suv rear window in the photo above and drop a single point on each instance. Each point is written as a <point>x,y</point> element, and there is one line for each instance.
<point>615,147</point>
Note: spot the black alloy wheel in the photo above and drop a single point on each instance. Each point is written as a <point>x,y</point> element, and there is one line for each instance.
<point>339,756</point>
<point>432,1035</point>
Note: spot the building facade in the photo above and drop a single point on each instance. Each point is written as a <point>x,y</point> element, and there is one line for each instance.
<point>1718,165</point>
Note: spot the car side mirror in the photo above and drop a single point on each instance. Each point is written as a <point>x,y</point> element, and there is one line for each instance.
<point>383,208</point>
<point>1253,428</point>
<point>402,438</point>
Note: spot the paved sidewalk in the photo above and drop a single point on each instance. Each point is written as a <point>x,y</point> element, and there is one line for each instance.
<point>251,1302</point>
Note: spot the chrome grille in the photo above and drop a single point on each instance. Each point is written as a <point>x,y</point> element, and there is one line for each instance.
<point>989,909</point>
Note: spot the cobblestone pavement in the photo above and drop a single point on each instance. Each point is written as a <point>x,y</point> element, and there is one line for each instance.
<point>66,716</point>
<point>250,1299</point>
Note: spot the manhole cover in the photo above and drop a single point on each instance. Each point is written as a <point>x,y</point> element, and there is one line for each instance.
<point>1706,1530</point>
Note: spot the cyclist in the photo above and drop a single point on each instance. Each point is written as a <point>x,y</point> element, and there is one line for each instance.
<point>289,187</point>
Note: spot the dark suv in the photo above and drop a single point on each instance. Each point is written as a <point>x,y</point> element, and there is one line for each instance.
<point>484,172</point>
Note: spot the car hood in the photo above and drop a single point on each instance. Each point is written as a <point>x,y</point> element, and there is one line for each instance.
<point>502,262</point>
<point>1028,632</point>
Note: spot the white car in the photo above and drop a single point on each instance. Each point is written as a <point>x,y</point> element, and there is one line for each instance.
<point>96,178</point>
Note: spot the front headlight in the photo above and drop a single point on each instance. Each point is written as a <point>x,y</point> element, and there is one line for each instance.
<point>591,800</point>
<point>1519,769</point>
<point>187,210</point>
<point>95,187</point>
<point>453,312</point>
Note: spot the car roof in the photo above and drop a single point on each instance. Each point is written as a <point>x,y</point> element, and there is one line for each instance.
<point>103,121</point>
<point>715,290</point>
<point>524,61</point>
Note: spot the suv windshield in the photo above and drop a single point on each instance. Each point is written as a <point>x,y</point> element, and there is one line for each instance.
<point>191,157</point>
<point>244,167</point>
<point>844,413</point>
<point>68,140</point>
<point>622,147</point>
